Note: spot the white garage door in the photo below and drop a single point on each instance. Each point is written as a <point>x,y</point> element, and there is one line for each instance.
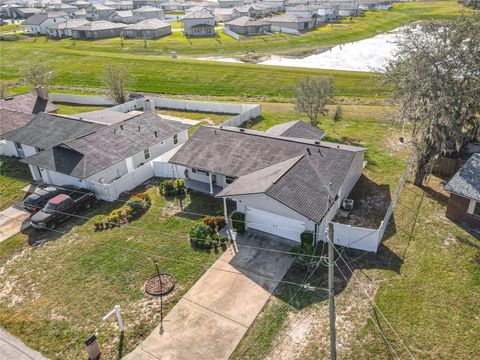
<point>274,224</point>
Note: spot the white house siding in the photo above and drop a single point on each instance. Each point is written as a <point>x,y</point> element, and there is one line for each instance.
<point>42,28</point>
<point>189,23</point>
<point>7,148</point>
<point>56,178</point>
<point>265,203</point>
<point>28,150</point>
<point>111,173</point>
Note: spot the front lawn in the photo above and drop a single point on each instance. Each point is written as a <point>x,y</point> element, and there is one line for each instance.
<point>14,176</point>
<point>54,296</point>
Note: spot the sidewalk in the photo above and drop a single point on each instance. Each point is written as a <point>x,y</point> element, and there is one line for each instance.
<point>12,348</point>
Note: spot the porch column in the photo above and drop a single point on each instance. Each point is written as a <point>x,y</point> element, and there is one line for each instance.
<point>211,182</point>
<point>225,212</point>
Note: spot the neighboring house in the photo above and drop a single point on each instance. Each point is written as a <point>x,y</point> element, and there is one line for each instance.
<point>348,10</point>
<point>284,185</point>
<point>59,7</point>
<point>120,5</point>
<point>296,129</point>
<point>199,23</point>
<point>277,4</point>
<point>147,29</point>
<point>225,15</point>
<point>225,4</point>
<point>80,14</point>
<point>25,13</point>
<point>98,30</point>
<point>98,12</point>
<point>102,158</point>
<point>246,10</point>
<point>303,11</point>
<point>80,4</point>
<point>248,26</point>
<point>64,29</point>
<point>121,16</point>
<point>293,22</point>
<point>375,5</point>
<point>148,12</point>
<point>38,24</point>
<point>328,12</point>
<point>8,10</point>
<point>464,188</point>
<point>155,3</point>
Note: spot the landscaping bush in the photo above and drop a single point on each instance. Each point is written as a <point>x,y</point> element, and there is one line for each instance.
<point>138,205</point>
<point>216,223</point>
<point>238,222</point>
<point>306,247</point>
<point>200,234</point>
<point>306,240</point>
<point>217,240</point>
<point>173,187</point>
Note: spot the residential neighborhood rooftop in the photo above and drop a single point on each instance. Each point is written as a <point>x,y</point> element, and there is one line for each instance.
<point>28,102</point>
<point>466,181</point>
<point>296,129</point>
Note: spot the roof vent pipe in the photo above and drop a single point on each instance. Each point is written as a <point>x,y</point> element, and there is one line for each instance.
<point>309,152</point>
<point>121,127</point>
<point>242,130</point>
<point>138,127</point>
<point>156,134</point>
<point>317,142</point>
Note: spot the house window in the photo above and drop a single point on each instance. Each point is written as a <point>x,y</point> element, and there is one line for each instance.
<point>175,139</point>
<point>229,179</point>
<point>146,154</point>
<point>476,209</point>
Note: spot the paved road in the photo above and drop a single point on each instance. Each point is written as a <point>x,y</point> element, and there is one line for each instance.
<point>12,348</point>
<point>212,317</point>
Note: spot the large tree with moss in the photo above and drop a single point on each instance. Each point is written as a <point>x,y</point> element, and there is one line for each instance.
<point>436,78</point>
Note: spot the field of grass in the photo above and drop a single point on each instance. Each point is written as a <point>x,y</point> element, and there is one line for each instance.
<point>68,109</point>
<point>10,28</point>
<point>54,296</point>
<point>14,176</point>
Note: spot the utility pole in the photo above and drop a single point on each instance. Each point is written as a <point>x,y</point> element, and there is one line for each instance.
<point>331,292</point>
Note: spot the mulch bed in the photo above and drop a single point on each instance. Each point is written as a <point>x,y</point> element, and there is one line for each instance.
<point>155,287</point>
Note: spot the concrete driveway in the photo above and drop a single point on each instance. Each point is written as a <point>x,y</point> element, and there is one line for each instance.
<point>13,220</point>
<point>212,317</point>
<point>12,348</point>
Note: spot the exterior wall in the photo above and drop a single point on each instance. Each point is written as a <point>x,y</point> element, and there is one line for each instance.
<point>42,28</point>
<point>225,4</point>
<point>111,173</point>
<point>300,26</point>
<point>352,176</point>
<point>266,203</point>
<point>28,150</point>
<point>249,30</point>
<point>8,148</point>
<point>56,178</point>
<point>461,209</point>
<point>188,23</point>
<point>140,16</point>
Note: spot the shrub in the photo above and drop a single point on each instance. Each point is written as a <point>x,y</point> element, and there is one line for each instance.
<point>167,188</point>
<point>180,186</point>
<point>210,221</point>
<point>142,196</point>
<point>238,222</point>
<point>306,247</point>
<point>200,234</point>
<point>217,240</point>
<point>306,240</point>
<point>98,225</point>
<point>138,205</point>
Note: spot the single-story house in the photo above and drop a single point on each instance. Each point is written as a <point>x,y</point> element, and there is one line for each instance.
<point>80,4</point>
<point>98,30</point>
<point>246,10</point>
<point>375,5</point>
<point>279,5</point>
<point>80,14</point>
<point>60,7</point>
<point>98,12</point>
<point>120,4</point>
<point>8,10</point>
<point>147,29</point>
<point>348,10</point>
<point>38,24</point>
<point>16,111</point>
<point>64,29</point>
<point>148,12</point>
<point>327,11</point>
<point>294,22</point>
<point>248,26</point>
<point>304,11</point>
<point>225,15</point>
<point>107,159</point>
<point>464,188</point>
<point>121,16</point>
<point>26,12</point>
<point>199,23</point>
<point>285,185</point>
<point>225,4</point>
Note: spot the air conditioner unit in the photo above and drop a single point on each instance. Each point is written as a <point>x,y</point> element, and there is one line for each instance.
<point>348,204</point>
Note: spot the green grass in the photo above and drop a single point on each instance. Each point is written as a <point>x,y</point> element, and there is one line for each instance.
<point>14,176</point>
<point>69,109</point>
<point>10,28</point>
<point>62,289</point>
<point>194,115</point>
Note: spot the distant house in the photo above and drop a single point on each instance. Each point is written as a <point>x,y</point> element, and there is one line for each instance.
<point>80,4</point>
<point>278,4</point>
<point>147,29</point>
<point>80,14</point>
<point>375,4</point>
<point>38,24</point>
<point>98,12</point>
<point>26,12</point>
<point>8,10</point>
<point>224,4</point>
<point>348,10</point>
<point>464,188</point>
<point>248,26</point>
<point>303,11</point>
<point>199,23</point>
<point>121,16</point>
<point>148,12</point>
<point>16,111</point>
<point>98,30</point>
<point>283,184</point>
<point>64,29</point>
<point>291,22</point>
<point>93,155</point>
<point>66,8</point>
<point>246,10</point>
<point>120,5</point>
<point>225,15</point>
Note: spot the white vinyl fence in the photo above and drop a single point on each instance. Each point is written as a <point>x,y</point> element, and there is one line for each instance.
<point>365,238</point>
<point>285,30</point>
<point>231,33</point>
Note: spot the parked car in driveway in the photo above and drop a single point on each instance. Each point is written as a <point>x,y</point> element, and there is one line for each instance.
<point>39,198</point>
<point>61,207</point>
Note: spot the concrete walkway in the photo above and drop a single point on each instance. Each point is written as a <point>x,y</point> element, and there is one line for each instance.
<point>212,317</point>
<point>12,348</point>
<point>13,220</point>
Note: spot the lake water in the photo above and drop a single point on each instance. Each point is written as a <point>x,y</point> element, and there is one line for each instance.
<point>364,55</point>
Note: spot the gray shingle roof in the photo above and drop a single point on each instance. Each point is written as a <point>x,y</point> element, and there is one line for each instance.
<point>296,129</point>
<point>149,24</point>
<point>246,21</point>
<point>199,14</point>
<point>466,181</point>
<point>38,19</point>
<point>27,103</point>
<point>11,120</point>
<point>47,130</point>
<point>100,25</point>
<point>87,155</point>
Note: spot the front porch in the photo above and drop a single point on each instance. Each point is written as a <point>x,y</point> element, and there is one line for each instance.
<point>203,187</point>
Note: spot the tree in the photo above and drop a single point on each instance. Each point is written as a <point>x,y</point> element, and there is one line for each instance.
<point>337,116</point>
<point>436,80</point>
<point>312,96</point>
<point>4,90</point>
<point>116,78</point>
<point>38,74</point>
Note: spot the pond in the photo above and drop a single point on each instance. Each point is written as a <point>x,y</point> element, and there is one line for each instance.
<point>364,55</point>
